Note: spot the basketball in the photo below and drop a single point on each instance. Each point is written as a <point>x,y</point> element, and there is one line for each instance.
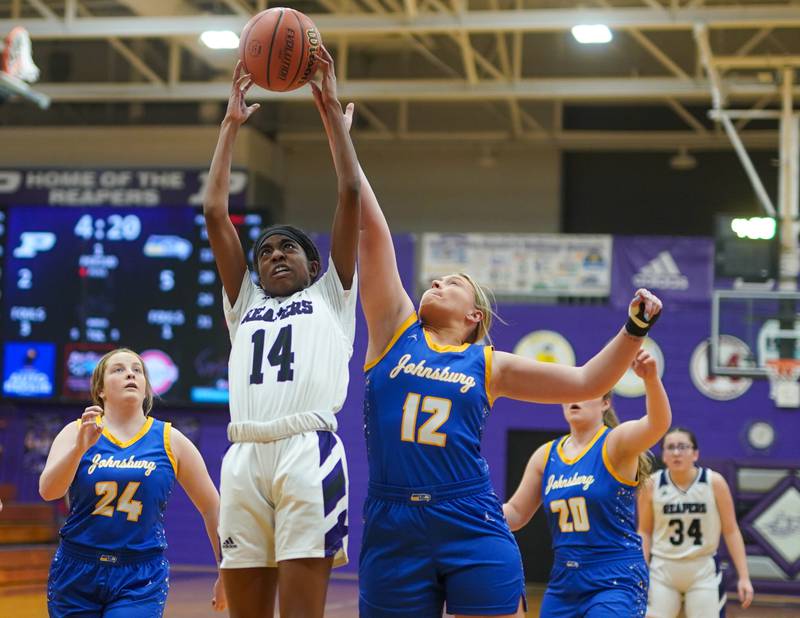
<point>278,47</point>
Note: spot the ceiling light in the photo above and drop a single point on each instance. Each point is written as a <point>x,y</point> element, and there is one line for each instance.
<point>683,161</point>
<point>755,228</point>
<point>592,33</point>
<point>487,159</point>
<point>220,39</point>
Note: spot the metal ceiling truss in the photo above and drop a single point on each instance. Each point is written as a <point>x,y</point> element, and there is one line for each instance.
<point>476,56</point>
<point>585,90</point>
<point>398,22</point>
<point>788,210</point>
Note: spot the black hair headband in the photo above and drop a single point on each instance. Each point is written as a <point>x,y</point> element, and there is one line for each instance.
<point>297,235</point>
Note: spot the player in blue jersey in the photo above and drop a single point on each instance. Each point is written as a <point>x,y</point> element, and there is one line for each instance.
<point>587,483</point>
<point>434,532</point>
<point>119,465</point>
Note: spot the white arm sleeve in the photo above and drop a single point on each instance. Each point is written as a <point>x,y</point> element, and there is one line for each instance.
<point>248,292</point>
<point>342,302</point>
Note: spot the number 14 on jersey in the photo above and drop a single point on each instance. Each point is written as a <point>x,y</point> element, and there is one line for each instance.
<point>279,355</point>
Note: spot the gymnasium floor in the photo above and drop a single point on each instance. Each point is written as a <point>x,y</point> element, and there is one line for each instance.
<point>189,597</point>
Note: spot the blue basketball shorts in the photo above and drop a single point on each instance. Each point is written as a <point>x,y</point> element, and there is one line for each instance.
<point>433,546</point>
<point>597,589</point>
<point>106,585</point>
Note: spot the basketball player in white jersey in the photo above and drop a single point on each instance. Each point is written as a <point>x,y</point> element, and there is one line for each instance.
<point>283,508</point>
<point>682,511</point>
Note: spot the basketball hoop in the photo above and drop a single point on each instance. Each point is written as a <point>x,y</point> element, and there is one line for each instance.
<point>17,59</point>
<point>17,69</point>
<point>783,374</point>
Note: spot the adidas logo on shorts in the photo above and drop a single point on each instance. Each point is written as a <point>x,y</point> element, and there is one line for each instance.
<point>229,544</point>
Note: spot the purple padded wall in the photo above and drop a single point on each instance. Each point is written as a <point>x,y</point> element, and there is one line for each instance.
<point>720,425</point>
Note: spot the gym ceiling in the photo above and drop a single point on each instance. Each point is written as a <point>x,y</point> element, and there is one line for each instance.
<point>480,70</point>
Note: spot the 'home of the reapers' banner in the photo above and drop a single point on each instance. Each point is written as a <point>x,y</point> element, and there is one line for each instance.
<point>112,186</point>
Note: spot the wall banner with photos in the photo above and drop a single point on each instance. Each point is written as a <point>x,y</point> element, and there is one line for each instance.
<point>521,265</point>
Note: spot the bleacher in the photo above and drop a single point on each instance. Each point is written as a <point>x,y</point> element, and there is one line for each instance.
<point>28,533</point>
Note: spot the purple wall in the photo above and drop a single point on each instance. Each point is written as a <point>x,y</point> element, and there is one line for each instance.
<point>720,425</point>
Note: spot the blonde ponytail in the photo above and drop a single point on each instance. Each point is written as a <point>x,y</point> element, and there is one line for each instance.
<point>483,302</point>
<point>645,467</point>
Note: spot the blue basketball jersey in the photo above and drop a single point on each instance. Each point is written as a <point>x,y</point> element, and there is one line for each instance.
<point>424,410</point>
<point>120,491</point>
<point>590,508</point>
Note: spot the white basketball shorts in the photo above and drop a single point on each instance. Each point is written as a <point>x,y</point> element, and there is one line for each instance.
<point>284,500</point>
<point>695,582</point>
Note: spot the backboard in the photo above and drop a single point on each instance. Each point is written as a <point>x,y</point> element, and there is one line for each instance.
<point>751,328</point>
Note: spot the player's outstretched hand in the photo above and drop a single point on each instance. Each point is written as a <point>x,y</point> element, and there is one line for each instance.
<point>218,599</point>
<point>238,111</point>
<point>90,429</point>
<point>645,366</point>
<point>348,115</point>
<point>643,311</point>
<point>348,112</point>
<point>745,589</point>
<point>324,80</point>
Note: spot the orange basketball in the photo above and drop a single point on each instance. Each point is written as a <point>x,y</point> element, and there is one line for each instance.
<point>278,47</point>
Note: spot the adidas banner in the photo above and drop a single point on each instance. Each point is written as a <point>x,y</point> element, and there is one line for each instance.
<point>678,270</point>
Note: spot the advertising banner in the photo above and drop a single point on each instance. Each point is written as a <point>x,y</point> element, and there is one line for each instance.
<point>522,265</point>
<point>678,270</point>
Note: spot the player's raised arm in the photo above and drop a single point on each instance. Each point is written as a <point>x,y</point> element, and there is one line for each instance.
<point>384,300</point>
<point>634,437</point>
<point>525,379</point>
<point>522,506</point>
<point>344,236</point>
<point>222,235</point>
<point>66,452</point>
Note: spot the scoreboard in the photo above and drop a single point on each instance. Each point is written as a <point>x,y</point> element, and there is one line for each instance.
<point>77,282</point>
<point>2,247</point>
<point>746,247</point>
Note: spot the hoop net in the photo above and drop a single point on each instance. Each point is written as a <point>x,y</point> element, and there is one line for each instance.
<point>783,374</point>
<point>17,60</point>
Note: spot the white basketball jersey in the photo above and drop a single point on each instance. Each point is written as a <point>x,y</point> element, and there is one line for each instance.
<point>686,524</point>
<point>290,355</point>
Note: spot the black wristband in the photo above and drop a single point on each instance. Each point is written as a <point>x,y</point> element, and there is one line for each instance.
<point>637,325</point>
<point>634,329</point>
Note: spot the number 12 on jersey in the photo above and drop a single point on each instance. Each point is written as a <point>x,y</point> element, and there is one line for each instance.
<point>427,434</point>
